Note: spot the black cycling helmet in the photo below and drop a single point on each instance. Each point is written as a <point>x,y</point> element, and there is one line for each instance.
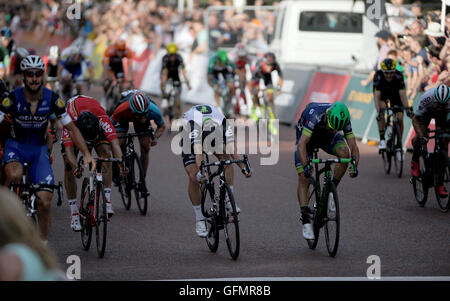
<point>269,58</point>
<point>3,87</point>
<point>89,126</point>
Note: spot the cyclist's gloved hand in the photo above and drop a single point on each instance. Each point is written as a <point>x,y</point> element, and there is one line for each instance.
<point>410,112</point>
<point>124,171</point>
<point>423,140</point>
<point>353,173</point>
<point>78,172</point>
<point>247,172</point>
<point>200,177</point>
<point>307,171</point>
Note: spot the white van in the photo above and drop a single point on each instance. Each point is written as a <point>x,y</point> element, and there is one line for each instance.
<point>332,33</point>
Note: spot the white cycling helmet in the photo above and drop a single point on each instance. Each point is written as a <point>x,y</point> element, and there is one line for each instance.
<point>241,50</point>
<point>32,62</point>
<point>53,52</point>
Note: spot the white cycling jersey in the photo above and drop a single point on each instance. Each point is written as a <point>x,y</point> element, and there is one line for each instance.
<point>428,105</point>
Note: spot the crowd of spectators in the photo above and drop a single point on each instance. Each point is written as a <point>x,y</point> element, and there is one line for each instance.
<point>415,40</point>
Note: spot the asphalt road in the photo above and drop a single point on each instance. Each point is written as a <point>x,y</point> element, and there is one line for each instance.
<point>379,216</point>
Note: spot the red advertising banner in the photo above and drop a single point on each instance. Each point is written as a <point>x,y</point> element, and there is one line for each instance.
<point>324,87</point>
<point>140,64</point>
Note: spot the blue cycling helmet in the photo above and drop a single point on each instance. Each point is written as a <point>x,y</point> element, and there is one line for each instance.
<point>5,32</point>
<point>442,93</point>
<point>139,103</point>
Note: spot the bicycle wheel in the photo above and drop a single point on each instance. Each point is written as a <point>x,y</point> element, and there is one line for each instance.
<point>86,227</point>
<point>332,221</point>
<point>140,189</point>
<point>101,219</point>
<point>124,189</point>
<point>212,239</point>
<point>231,222</point>
<point>397,150</point>
<point>313,205</point>
<point>439,159</point>
<point>420,184</point>
<point>208,204</point>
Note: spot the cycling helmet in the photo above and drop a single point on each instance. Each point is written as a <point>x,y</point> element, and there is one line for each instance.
<point>241,50</point>
<point>22,52</point>
<point>31,51</point>
<point>120,45</point>
<point>338,116</point>
<point>53,52</point>
<point>442,93</point>
<point>139,103</point>
<point>388,65</point>
<point>89,126</point>
<point>269,58</point>
<point>32,62</point>
<point>222,56</point>
<point>172,48</point>
<point>5,32</point>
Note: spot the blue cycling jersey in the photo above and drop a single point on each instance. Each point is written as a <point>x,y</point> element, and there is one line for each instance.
<point>75,69</point>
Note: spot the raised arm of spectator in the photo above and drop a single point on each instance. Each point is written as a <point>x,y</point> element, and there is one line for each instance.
<point>444,50</point>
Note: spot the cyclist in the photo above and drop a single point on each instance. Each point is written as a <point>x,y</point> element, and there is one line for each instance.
<point>5,126</point>
<point>172,62</point>
<point>220,64</point>
<point>241,61</point>
<point>15,74</point>
<point>200,122</point>
<point>99,133</point>
<point>388,85</point>
<point>318,127</point>
<point>52,67</point>
<point>113,65</point>
<point>263,70</point>
<point>434,103</point>
<point>135,106</point>
<point>31,108</point>
<point>72,65</point>
<point>7,41</point>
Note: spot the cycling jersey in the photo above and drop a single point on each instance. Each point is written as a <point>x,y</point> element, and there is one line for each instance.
<point>75,69</point>
<point>240,62</point>
<point>259,73</point>
<point>52,70</point>
<point>429,108</point>
<point>172,67</point>
<point>389,90</point>
<point>80,104</point>
<point>313,123</point>
<point>123,114</point>
<point>114,59</point>
<point>214,69</point>
<point>14,68</point>
<point>193,124</point>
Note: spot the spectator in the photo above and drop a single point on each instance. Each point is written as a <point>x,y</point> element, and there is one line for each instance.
<point>412,71</point>
<point>200,44</point>
<point>432,72</point>
<point>23,256</point>
<point>416,9</point>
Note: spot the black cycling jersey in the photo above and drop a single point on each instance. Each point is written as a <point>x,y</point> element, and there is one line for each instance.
<point>389,90</point>
<point>172,67</point>
<point>267,77</point>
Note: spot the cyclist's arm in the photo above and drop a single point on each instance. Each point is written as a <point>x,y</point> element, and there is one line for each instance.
<point>301,149</point>
<point>164,75</point>
<point>403,97</point>
<point>70,157</point>
<point>116,150</point>
<point>354,150</point>
<point>186,79</point>
<point>417,126</point>
<point>79,142</point>
<point>377,97</point>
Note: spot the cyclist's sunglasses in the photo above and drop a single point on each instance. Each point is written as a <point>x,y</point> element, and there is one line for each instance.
<point>34,73</point>
<point>388,71</point>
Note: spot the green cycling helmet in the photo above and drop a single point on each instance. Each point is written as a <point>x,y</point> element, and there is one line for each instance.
<point>338,116</point>
<point>222,56</point>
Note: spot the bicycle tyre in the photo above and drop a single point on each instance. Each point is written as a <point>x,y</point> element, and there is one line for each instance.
<point>442,202</point>
<point>208,203</point>
<point>420,184</point>
<point>332,242</point>
<point>212,239</point>
<point>397,147</point>
<point>124,189</point>
<point>231,225</point>
<point>101,220</point>
<point>86,227</point>
<point>314,200</point>
<point>140,187</point>
<point>386,157</point>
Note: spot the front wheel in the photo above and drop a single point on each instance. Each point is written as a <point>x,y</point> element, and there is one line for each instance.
<point>101,219</point>
<point>397,153</point>
<point>420,184</point>
<point>231,222</point>
<point>332,221</point>
<point>313,205</point>
<point>140,189</point>
<point>85,211</point>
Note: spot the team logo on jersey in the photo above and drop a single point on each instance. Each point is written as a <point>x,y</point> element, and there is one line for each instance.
<point>60,103</point>
<point>6,102</point>
<point>204,109</point>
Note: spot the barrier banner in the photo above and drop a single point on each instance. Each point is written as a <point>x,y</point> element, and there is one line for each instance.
<point>359,101</point>
<point>295,84</point>
<point>324,87</point>
<point>139,65</point>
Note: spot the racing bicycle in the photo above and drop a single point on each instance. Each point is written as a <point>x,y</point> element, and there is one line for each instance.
<point>136,176</point>
<point>324,203</point>
<point>220,215</point>
<point>173,89</point>
<point>267,113</point>
<point>434,170</point>
<point>93,207</point>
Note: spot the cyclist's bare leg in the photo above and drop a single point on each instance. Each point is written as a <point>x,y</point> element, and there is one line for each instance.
<point>302,190</point>
<point>145,150</point>
<point>193,187</point>
<point>70,182</point>
<point>177,105</point>
<point>43,207</point>
<point>400,122</point>
<point>340,168</point>
<point>13,172</point>
<point>381,120</point>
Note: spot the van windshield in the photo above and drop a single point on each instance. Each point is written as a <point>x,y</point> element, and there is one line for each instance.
<point>331,21</point>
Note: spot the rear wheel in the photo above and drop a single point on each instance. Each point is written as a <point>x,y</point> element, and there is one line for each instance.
<point>140,189</point>
<point>420,185</point>
<point>332,221</point>
<point>86,227</point>
<point>397,150</point>
<point>438,164</point>
<point>231,222</point>
<point>101,218</point>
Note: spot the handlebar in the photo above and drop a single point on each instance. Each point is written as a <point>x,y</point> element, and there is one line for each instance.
<point>37,187</point>
<point>226,162</point>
